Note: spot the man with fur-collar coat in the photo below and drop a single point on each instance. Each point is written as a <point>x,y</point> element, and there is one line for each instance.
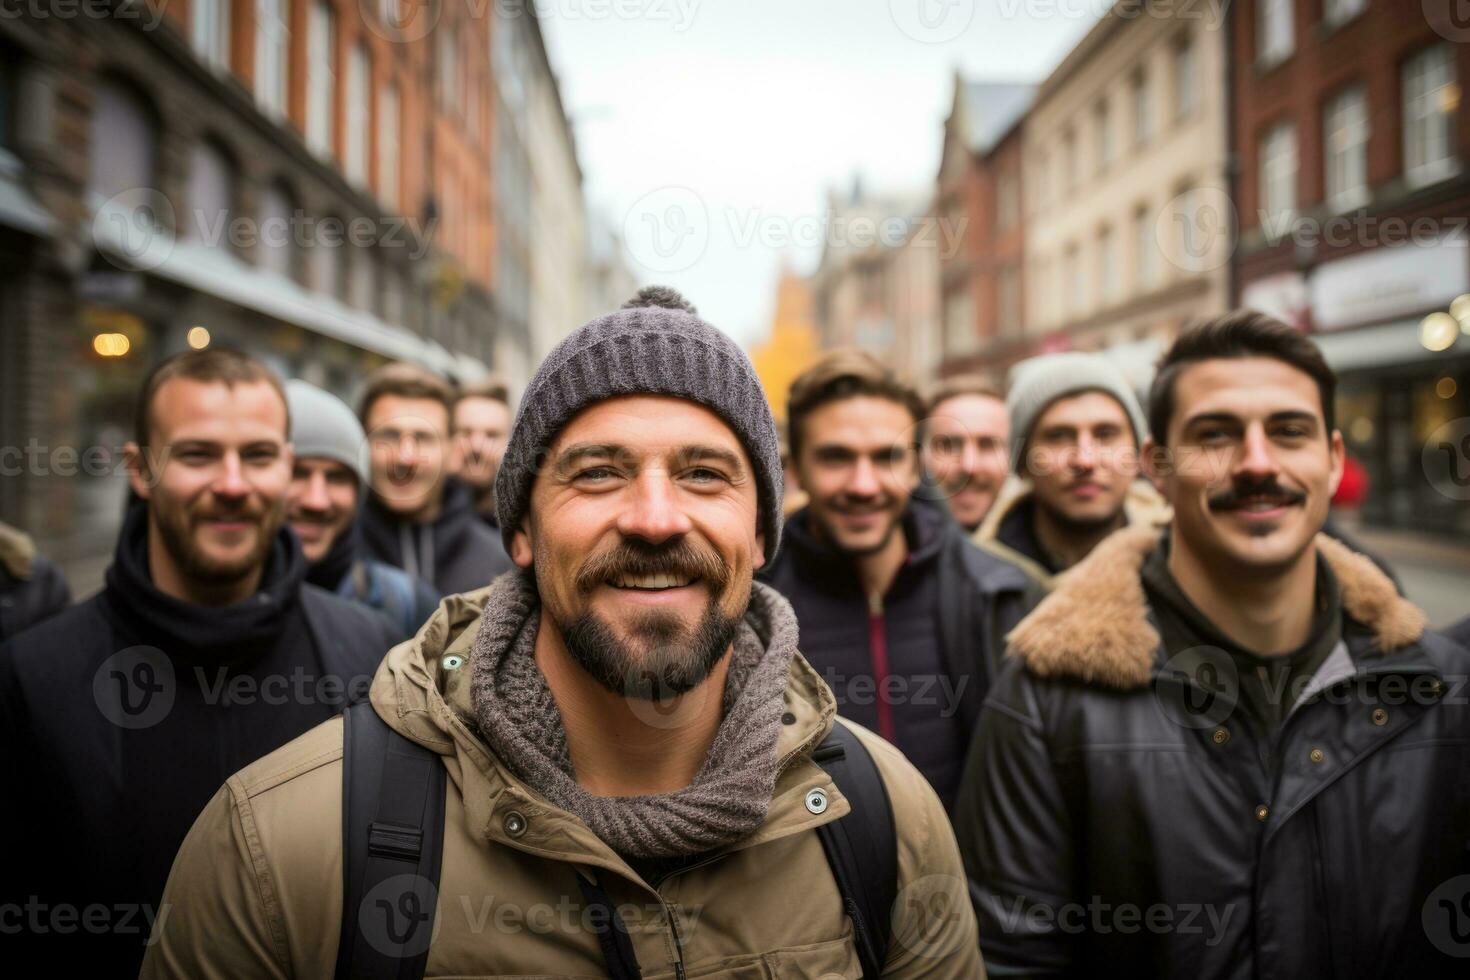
<point>1229,749</point>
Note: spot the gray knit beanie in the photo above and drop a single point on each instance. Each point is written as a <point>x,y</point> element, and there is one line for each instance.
<point>655,345</point>
<point>323,427</point>
<point>1038,382</point>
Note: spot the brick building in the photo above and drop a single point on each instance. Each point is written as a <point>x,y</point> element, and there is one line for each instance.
<point>1350,139</point>
<point>307,179</point>
<point>979,192</point>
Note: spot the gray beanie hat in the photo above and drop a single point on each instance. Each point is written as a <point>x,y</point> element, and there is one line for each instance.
<point>1038,382</point>
<point>655,345</point>
<point>322,426</point>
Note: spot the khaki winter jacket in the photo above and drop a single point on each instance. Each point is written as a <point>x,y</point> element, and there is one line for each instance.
<point>256,889</point>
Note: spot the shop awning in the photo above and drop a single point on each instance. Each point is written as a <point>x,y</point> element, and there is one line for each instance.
<point>1382,346</point>
<point>218,273</point>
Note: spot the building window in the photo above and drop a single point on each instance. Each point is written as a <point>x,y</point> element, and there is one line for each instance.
<point>272,54</point>
<point>1007,202</point>
<point>1072,286</point>
<point>321,78</point>
<point>388,149</point>
<point>1431,98</point>
<point>1107,265</point>
<point>451,84</point>
<point>1345,139</point>
<point>211,196</point>
<point>1042,183</point>
<point>360,277</point>
<point>356,164</point>
<point>1143,120</point>
<point>1186,82</point>
<point>277,236</point>
<point>1275,30</point>
<point>1104,135</point>
<point>123,123</point>
<point>209,31</point>
<point>1069,161</point>
<point>959,323</point>
<point>1008,301</point>
<point>1278,174</point>
<point>1336,12</point>
<point>1145,251</point>
<point>328,270</point>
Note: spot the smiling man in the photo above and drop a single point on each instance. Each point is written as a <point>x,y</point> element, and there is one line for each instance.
<point>204,650</point>
<point>967,446</point>
<point>1076,431</point>
<point>621,733</point>
<point>481,425</point>
<point>900,613</point>
<point>1236,727</point>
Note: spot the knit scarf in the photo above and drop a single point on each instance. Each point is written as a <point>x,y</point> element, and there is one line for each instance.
<point>729,797</point>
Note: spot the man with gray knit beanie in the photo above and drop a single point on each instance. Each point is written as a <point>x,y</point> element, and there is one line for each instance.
<point>627,727</point>
<point>1076,432</point>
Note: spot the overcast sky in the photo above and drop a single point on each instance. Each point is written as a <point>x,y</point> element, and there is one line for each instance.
<point>710,131</point>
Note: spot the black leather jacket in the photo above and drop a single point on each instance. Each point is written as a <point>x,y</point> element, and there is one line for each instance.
<point>1117,819</point>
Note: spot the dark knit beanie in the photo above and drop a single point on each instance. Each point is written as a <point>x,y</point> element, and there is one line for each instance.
<point>655,345</point>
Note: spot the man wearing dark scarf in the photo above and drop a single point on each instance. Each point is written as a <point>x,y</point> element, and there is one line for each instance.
<point>327,484</point>
<point>205,649</point>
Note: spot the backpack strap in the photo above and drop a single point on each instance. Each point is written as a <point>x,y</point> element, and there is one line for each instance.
<point>862,847</point>
<point>392,845</point>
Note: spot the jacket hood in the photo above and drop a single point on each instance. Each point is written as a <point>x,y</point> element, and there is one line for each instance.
<point>422,690</point>
<point>1094,626</point>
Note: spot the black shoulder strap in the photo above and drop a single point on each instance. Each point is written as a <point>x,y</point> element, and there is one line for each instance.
<point>862,847</point>
<point>392,844</point>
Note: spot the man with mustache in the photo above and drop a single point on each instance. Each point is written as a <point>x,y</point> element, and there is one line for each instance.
<point>966,447</point>
<point>1231,748</point>
<point>1076,428</point>
<point>328,477</point>
<point>204,650</point>
<point>419,517</point>
<point>901,614</point>
<point>481,425</point>
<point>627,730</point>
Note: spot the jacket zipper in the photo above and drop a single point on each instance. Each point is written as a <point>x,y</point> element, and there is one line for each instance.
<point>878,652</point>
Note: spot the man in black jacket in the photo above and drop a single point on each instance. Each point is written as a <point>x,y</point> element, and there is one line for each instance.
<point>122,716</point>
<point>419,518</point>
<point>899,612</point>
<point>31,586</point>
<point>1231,749</point>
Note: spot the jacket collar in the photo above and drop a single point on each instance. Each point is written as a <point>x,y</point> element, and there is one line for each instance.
<point>422,690</point>
<point>1094,626</point>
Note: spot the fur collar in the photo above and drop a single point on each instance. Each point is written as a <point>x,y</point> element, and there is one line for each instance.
<point>1094,625</point>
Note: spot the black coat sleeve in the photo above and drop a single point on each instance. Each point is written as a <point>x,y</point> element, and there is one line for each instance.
<point>1016,837</point>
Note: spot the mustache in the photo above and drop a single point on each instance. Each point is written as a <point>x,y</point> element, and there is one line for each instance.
<point>1235,496</point>
<point>633,557</point>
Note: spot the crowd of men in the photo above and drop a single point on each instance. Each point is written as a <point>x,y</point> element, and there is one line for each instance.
<point>1050,681</point>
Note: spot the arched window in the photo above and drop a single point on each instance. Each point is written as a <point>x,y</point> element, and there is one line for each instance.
<point>328,257</point>
<point>278,230</point>
<point>211,202</point>
<point>124,136</point>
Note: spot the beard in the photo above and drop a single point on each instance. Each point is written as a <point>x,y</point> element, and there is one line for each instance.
<point>1079,526</point>
<point>660,658</point>
<point>176,529</point>
<point>827,531</point>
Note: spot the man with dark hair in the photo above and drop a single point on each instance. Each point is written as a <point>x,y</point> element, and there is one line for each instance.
<point>901,614</point>
<point>31,586</point>
<point>419,517</point>
<point>480,424</point>
<point>627,745</point>
<point>1237,720</point>
<point>205,649</point>
<point>966,446</point>
<point>328,481</point>
<point>1076,429</point>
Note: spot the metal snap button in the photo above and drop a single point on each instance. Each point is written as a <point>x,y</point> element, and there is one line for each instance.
<point>1221,736</point>
<point>451,661</point>
<point>515,823</point>
<point>816,800</point>
<point>1262,812</point>
<point>1317,755</point>
<point>1380,717</point>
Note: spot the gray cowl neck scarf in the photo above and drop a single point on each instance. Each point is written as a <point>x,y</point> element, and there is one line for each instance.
<point>728,799</point>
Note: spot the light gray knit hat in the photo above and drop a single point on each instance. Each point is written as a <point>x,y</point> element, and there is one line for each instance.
<point>655,345</point>
<point>1039,381</point>
<point>322,426</point>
